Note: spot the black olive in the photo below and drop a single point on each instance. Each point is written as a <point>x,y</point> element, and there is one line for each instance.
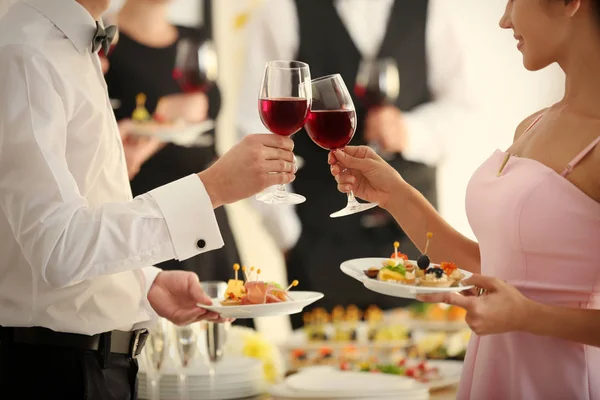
<point>435,270</point>
<point>371,273</point>
<point>423,261</point>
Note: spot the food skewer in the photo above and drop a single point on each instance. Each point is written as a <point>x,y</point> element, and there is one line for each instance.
<point>236,268</point>
<point>423,261</point>
<point>244,271</point>
<point>294,283</point>
<point>396,246</point>
<point>250,274</point>
<point>257,273</point>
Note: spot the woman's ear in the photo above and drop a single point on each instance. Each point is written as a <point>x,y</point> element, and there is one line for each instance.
<point>572,6</point>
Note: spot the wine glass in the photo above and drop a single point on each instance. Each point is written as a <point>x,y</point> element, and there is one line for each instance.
<point>283,105</point>
<point>377,84</point>
<point>185,351</point>
<point>331,125</point>
<point>196,65</point>
<point>155,351</point>
<point>213,336</point>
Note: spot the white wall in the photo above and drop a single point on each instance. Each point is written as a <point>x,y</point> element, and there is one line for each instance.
<point>507,94</point>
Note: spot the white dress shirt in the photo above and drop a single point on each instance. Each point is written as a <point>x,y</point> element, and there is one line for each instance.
<point>273,34</point>
<point>76,248</point>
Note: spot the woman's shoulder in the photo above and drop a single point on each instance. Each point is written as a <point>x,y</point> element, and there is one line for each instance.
<point>526,123</point>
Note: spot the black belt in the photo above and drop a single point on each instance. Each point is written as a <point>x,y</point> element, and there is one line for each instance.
<point>120,342</point>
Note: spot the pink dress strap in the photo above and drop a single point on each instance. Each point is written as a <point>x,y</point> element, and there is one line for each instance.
<point>535,121</point>
<point>580,157</point>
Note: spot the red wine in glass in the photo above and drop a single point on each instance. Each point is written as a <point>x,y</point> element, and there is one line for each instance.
<point>283,116</point>
<point>191,80</point>
<point>331,125</point>
<point>331,129</point>
<point>370,96</point>
<point>196,65</point>
<point>377,82</point>
<point>283,105</point>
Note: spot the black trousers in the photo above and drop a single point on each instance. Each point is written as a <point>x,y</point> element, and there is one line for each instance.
<point>34,372</point>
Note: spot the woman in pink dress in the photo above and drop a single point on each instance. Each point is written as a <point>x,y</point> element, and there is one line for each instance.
<point>535,210</point>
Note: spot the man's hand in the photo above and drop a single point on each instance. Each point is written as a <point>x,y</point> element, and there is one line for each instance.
<point>255,163</point>
<point>174,295</point>
<point>385,126</point>
<point>137,149</point>
<point>188,107</point>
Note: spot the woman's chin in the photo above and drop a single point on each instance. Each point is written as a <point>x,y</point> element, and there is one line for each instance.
<point>533,64</point>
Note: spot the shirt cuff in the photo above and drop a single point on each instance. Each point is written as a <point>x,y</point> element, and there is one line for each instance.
<point>190,217</point>
<point>420,147</point>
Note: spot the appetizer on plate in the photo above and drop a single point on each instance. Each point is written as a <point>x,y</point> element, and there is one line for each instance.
<point>142,116</point>
<point>248,292</point>
<point>399,269</point>
<point>419,370</point>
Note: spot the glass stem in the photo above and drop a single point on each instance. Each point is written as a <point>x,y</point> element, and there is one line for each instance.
<point>183,387</point>
<point>212,372</point>
<point>280,193</point>
<point>154,389</point>
<point>352,202</point>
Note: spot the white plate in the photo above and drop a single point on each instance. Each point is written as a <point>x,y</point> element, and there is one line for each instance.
<point>179,133</point>
<point>327,382</point>
<point>450,372</point>
<point>282,392</point>
<point>355,269</point>
<point>298,301</point>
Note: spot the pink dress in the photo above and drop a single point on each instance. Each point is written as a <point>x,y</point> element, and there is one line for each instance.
<point>540,233</point>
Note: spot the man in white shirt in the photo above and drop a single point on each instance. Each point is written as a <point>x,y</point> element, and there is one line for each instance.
<point>76,289</point>
<point>332,36</point>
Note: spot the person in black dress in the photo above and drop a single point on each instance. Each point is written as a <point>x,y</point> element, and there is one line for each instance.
<point>142,62</point>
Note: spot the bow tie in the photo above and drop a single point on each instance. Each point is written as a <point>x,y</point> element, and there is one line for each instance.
<point>103,38</point>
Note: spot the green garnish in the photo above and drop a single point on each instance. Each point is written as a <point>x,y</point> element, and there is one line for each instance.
<point>398,268</point>
<point>391,369</point>
<point>277,285</point>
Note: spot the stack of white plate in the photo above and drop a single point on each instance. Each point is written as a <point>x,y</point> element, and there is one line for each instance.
<point>235,378</point>
<point>320,383</point>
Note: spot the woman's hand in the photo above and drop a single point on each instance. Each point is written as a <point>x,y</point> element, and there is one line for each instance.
<point>367,175</point>
<point>188,107</point>
<point>502,308</point>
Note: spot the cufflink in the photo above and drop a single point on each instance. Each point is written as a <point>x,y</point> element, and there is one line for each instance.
<point>201,244</point>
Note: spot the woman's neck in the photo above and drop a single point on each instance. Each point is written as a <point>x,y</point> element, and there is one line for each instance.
<point>581,65</point>
<point>147,23</point>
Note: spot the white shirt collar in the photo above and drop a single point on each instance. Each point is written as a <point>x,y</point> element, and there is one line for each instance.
<point>71,18</point>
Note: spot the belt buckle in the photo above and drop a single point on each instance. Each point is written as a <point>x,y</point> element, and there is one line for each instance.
<point>137,342</point>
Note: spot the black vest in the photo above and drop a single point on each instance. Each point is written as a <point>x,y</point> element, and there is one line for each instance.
<point>327,47</point>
